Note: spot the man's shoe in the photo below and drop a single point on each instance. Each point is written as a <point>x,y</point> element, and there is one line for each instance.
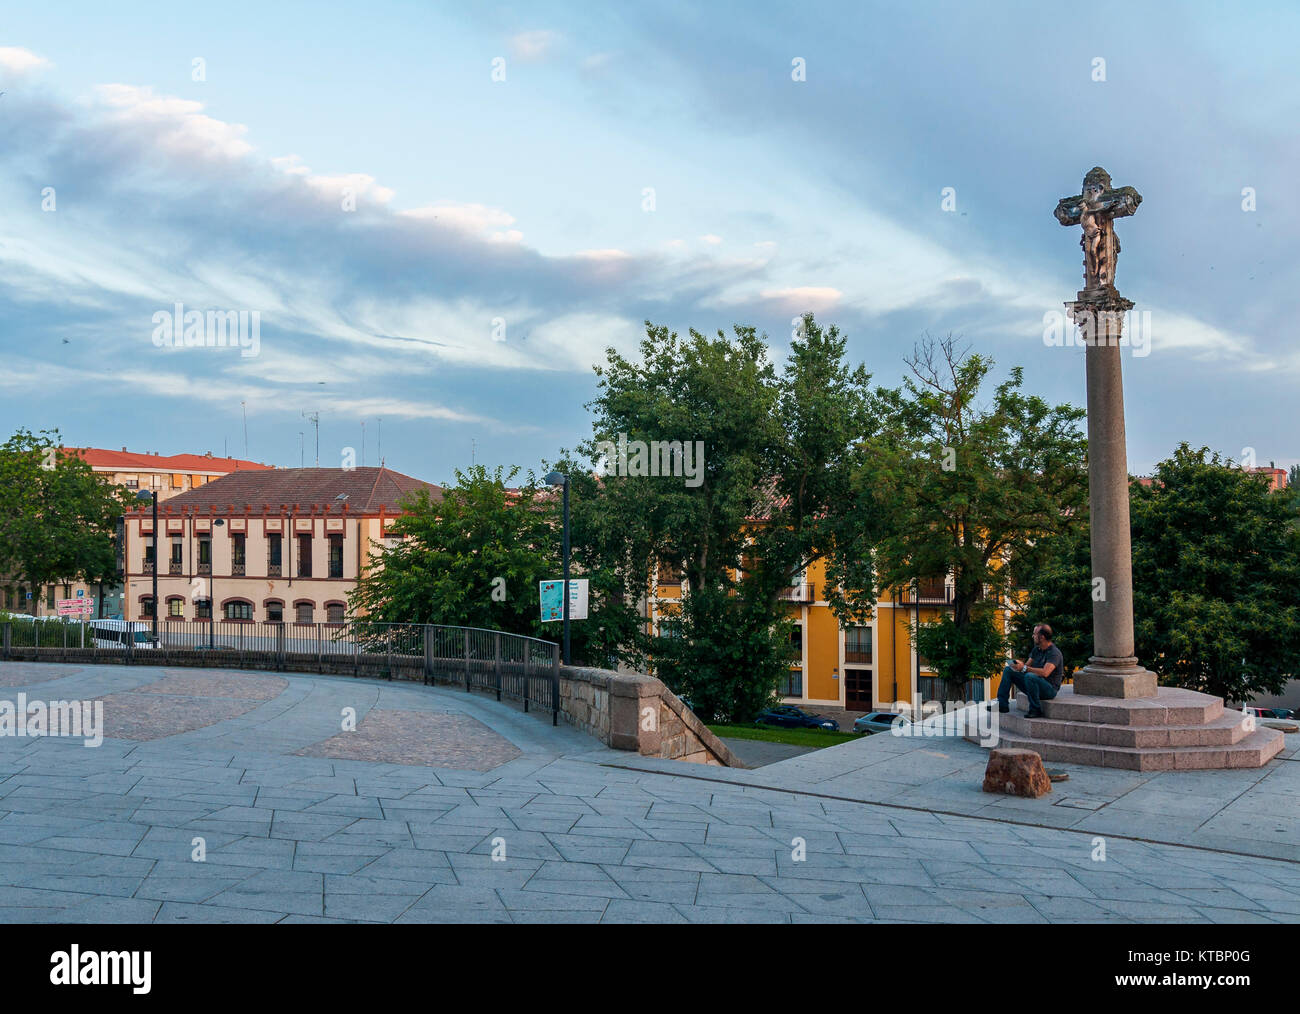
<point>1034,713</point>
<point>1003,708</point>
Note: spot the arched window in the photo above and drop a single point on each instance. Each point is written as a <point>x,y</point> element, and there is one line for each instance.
<point>304,611</point>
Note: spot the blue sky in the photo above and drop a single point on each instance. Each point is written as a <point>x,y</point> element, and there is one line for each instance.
<point>524,201</point>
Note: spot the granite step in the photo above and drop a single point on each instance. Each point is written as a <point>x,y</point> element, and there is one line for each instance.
<point>1229,728</point>
<point>1171,706</point>
<point>1254,750</point>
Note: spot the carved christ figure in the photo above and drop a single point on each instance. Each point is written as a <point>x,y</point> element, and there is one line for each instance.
<point>1096,209</point>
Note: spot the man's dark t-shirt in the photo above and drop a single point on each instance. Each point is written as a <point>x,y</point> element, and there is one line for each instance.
<point>1041,656</point>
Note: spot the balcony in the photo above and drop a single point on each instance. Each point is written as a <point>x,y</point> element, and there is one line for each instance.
<point>802,592</point>
<point>237,569</point>
<point>931,593</point>
<point>272,570</point>
<point>147,566</point>
<point>174,567</point>
<point>205,568</point>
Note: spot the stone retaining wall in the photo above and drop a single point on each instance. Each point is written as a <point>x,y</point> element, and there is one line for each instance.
<point>630,711</point>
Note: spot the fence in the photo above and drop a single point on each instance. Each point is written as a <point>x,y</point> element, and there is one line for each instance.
<point>510,665</point>
<point>931,689</point>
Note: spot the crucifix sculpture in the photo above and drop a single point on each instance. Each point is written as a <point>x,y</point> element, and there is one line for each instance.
<point>1099,309</point>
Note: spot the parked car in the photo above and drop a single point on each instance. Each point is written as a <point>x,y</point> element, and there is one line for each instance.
<point>878,721</point>
<point>789,717</point>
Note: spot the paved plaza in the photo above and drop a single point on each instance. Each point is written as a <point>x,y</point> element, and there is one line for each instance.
<point>331,799</point>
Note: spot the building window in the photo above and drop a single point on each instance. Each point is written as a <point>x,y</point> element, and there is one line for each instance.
<point>304,612</point>
<point>273,544</point>
<point>239,611</point>
<point>304,556</point>
<point>334,612</point>
<point>796,640</point>
<point>275,612</point>
<point>336,556</point>
<point>176,608</point>
<point>857,644</point>
<point>205,556</point>
<point>202,609</point>
<point>237,553</point>
<point>49,597</point>
<point>146,607</point>
<point>792,684</point>
<point>131,482</point>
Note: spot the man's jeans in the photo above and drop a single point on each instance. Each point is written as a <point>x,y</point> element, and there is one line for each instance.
<point>1035,688</point>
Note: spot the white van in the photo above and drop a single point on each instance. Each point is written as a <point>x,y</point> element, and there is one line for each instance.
<point>119,633</point>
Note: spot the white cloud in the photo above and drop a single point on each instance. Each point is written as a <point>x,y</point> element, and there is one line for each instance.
<point>711,239</point>
<point>177,126</point>
<point>17,61</point>
<point>533,45</point>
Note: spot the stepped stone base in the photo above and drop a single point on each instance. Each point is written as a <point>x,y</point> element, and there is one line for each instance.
<point>1175,730</point>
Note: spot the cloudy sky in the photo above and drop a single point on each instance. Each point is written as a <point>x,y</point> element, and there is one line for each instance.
<point>395,188</point>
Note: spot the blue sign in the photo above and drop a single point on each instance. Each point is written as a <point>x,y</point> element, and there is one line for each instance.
<point>81,593</point>
<point>552,601</point>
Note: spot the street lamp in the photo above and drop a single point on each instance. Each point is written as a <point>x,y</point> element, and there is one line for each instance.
<point>560,479</point>
<point>145,494</point>
<point>212,573</point>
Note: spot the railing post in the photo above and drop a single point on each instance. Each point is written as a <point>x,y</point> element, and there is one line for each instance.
<point>9,640</point>
<point>496,660</point>
<point>555,684</point>
<point>528,661</point>
<point>320,650</point>
<point>280,660</point>
<point>467,660</point>
<point>428,654</point>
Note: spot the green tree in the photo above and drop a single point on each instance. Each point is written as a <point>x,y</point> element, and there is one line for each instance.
<point>1216,579</point>
<point>471,558</point>
<point>58,518</point>
<point>968,487</point>
<point>722,393</point>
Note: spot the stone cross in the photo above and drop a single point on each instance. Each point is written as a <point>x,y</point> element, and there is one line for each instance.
<point>1113,670</point>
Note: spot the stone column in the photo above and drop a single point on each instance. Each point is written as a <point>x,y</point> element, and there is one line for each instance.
<point>1113,671</point>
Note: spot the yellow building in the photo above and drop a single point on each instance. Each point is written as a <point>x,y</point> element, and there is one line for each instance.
<point>858,668</point>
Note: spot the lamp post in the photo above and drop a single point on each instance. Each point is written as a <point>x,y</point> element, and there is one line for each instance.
<point>145,494</point>
<point>212,573</point>
<point>560,479</point>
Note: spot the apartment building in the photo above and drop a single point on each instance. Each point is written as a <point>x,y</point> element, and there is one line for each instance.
<point>169,475</point>
<point>277,545</point>
<point>858,668</point>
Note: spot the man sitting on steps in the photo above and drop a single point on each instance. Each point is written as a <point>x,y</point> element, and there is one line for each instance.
<point>1040,678</point>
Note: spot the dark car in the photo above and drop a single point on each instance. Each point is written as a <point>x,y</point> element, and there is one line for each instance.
<point>789,717</point>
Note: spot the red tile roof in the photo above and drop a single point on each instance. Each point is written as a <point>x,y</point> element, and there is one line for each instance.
<point>99,457</point>
<point>364,491</point>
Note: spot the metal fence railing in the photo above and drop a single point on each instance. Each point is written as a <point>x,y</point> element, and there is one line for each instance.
<point>931,689</point>
<point>522,668</point>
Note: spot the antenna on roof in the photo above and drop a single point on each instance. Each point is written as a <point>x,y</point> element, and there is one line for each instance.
<point>315,421</point>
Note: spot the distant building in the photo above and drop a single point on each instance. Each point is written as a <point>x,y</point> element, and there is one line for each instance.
<point>1276,476</point>
<point>278,545</point>
<point>168,475</point>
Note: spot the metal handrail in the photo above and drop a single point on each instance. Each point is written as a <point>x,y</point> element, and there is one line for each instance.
<point>517,666</point>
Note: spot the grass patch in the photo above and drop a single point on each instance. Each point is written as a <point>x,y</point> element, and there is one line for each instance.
<point>794,737</point>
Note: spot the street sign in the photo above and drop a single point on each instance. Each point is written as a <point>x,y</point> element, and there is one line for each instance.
<point>553,605</point>
<point>75,607</point>
<point>81,593</point>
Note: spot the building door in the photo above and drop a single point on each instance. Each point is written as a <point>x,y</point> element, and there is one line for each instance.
<point>857,690</point>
